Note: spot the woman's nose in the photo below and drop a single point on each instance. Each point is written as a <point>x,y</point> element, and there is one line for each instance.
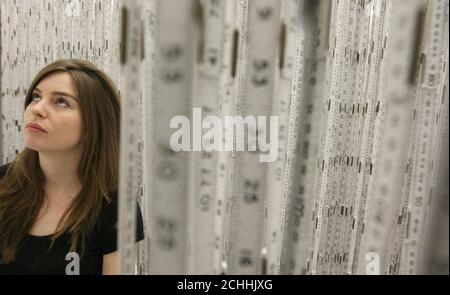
<point>39,108</point>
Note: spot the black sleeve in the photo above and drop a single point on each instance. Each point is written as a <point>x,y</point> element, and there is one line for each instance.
<point>108,227</point>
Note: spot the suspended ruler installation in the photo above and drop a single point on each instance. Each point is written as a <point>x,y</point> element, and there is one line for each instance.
<point>354,96</point>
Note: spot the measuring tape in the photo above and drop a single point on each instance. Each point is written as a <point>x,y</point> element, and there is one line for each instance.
<point>397,262</point>
<point>283,76</point>
<point>372,119</point>
<point>99,33</point>
<point>435,255</point>
<point>206,100</point>
<point>344,178</point>
<point>6,82</point>
<point>302,193</point>
<point>11,84</point>
<point>427,101</point>
<point>353,227</point>
<point>323,171</point>
<point>149,29</point>
<point>254,91</point>
<point>283,252</point>
<point>64,32</point>
<point>113,42</point>
<point>174,68</point>
<point>128,180</point>
<point>323,174</point>
<point>396,90</point>
<point>223,174</point>
<point>346,147</point>
<point>84,25</point>
<point>348,179</point>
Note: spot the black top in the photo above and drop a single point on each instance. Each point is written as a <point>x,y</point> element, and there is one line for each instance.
<point>33,256</point>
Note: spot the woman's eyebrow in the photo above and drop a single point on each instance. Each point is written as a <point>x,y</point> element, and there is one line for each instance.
<point>60,93</point>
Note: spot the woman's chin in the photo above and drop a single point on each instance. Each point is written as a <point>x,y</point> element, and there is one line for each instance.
<point>34,147</point>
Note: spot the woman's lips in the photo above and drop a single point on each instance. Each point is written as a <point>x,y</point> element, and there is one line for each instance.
<point>34,129</point>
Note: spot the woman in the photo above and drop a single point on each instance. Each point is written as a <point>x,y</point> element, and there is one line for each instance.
<point>58,198</point>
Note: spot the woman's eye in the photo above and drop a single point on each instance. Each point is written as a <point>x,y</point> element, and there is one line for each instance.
<point>33,96</point>
<point>59,101</point>
<point>62,102</point>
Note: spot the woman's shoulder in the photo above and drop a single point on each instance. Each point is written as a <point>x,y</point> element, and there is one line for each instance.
<point>110,206</point>
<point>110,210</point>
<point>111,202</point>
<point>3,169</point>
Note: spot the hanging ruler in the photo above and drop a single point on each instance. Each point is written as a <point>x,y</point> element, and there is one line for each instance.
<point>149,29</point>
<point>396,254</point>
<point>206,101</point>
<point>435,252</point>
<point>113,44</point>
<point>396,88</point>
<point>6,79</point>
<point>18,80</point>
<point>372,118</point>
<point>64,27</point>
<point>98,33</point>
<point>174,67</point>
<point>254,92</point>
<point>223,174</point>
<point>111,25</point>
<point>314,19</point>
<point>344,113</point>
<point>321,176</point>
<point>426,106</point>
<point>327,137</point>
<point>86,26</point>
<point>284,73</point>
<point>12,82</point>
<point>339,132</point>
<point>347,131</point>
<point>78,20</point>
<point>128,180</point>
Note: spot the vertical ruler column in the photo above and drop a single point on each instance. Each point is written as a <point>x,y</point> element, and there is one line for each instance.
<point>396,90</point>
<point>148,73</point>
<point>255,86</point>
<point>349,138</point>
<point>78,24</point>
<point>284,73</point>
<point>98,33</point>
<point>14,142</point>
<point>223,174</point>
<point>371,119</point>
<point>435,250</point>
<point>206,103</point>
<point>302,193</point>
<point>6,37</point>
<point>129,138</point>
<point>426,107</point>
<point>176,42</point>
<point>113,45</point>
<point>328,137</point>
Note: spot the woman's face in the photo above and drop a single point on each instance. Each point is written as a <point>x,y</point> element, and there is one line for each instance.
<point>55,108</point>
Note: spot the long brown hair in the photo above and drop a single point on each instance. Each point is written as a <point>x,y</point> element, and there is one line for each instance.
<point>21,188</point>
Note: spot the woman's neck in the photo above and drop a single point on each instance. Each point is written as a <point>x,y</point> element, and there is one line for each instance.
<point>62,183</point>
